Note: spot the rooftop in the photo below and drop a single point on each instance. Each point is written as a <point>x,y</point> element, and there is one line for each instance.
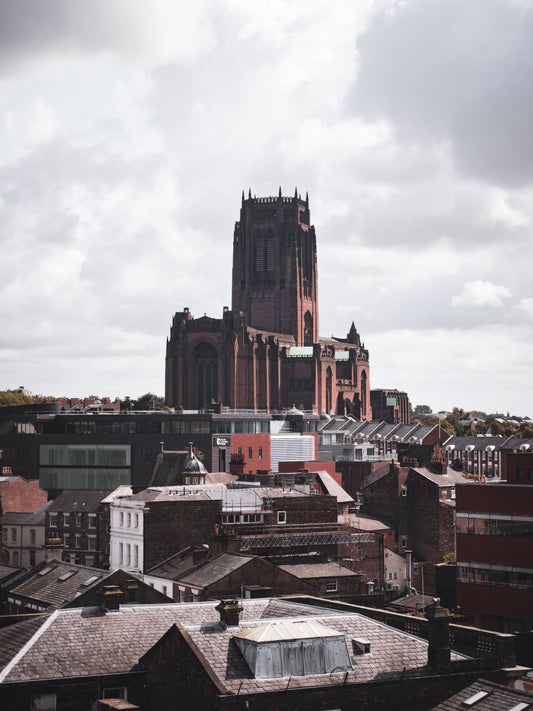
<point>84,642</point>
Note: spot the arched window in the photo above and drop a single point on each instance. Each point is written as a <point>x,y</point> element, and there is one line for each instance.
<point>259,252</point>
<point>308,329</point>
<point>363,394</point>
<point>205,359</point>
<point>329,376</point>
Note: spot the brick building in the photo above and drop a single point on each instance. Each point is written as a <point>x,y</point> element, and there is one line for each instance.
<point>391,406</point>
<point>495,547</point>
<point>80,519</point>
<point>265,353</point>
<point>23,537</point>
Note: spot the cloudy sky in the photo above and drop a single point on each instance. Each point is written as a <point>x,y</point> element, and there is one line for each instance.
<point>128,130</point>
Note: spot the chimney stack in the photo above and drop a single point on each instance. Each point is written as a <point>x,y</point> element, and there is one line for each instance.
<point>53,548</point>
<point>229,612</point>
<point>110,596</point>
<point>438,636</point>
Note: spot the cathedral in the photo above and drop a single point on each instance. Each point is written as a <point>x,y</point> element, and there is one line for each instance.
<point>265,353</point>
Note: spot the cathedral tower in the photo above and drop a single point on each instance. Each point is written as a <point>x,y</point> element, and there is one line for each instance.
<point>275,267</point>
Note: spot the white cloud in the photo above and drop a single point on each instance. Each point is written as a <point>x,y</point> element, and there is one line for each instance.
<point>128,131</point>
<point>482,293</point>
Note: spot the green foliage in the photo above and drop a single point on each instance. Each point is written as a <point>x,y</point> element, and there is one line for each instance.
<point>149,401</point>
<point>423,410</point>
<point>16,397</point>
<point>449,558</point>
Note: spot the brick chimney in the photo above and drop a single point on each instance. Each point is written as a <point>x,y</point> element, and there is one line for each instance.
<point>200,553</point>
<point>438,636</point>
<point>229,612</point>
<point>110,596</point>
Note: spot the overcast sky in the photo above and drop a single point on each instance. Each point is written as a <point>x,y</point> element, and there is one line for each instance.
<point>130,128</point>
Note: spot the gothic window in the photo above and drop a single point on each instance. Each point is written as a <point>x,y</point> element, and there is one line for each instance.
<point>329,377</point>
<point>363,393</point>
<point>259,253</point>
<point>270,253</point>
<point>308,329</point>
<point>206,361</point>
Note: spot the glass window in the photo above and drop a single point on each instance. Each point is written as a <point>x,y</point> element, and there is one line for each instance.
<point>331,586</point>
<point>282,517</point>
<point>66,519</point>
<point>13,534</point>
<point>78,519</point>
<point>92,543</point>
<point>92,520</point>
<point>43,702</point>
<point>66,540</point>
<point>33,536</point>
<point>77,541</point>
<point>250,453</point>
<point>260,453</point>
<point>53,520</point>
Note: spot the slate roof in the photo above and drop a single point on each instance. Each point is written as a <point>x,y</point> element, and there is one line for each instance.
<point>331,487</point>
<point>174,566</point>
<point>493,697</point>
<point>79,501</point>
<point>48,585</point>
<point>84,642</point>
<point>305,568</point>
<point>214,569</point>
<point>37,518</point>
<point>364,523</point>
<point>451,478</point>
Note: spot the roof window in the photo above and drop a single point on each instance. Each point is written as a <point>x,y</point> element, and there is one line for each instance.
<point>475,698</point>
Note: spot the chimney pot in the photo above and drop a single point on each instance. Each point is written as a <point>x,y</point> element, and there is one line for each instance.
<point>229,612</point>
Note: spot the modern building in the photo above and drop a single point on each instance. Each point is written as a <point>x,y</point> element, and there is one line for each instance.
<point>495,547</point>
<point>265,352</point>
<point>105,450</point>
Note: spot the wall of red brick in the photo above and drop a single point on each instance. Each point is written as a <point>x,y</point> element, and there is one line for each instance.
<point>496,498</point>
<point>21,496</point>
<point>308,509</point>
<point>255,442</point>
<point>171,526</point>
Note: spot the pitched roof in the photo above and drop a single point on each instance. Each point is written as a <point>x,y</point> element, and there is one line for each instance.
<point>55,583</point>
<point>84,642</point>
<point>37,518</point>
<point>487,696</point>
<point>214,569</point>
<point>79,501</point>
<point>331,487</point>
<point>451,478</point>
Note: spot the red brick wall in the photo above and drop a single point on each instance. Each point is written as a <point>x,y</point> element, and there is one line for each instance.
<point>245,441</point>
<point>171,526</point>
<point>21,496</point>
<point>308,509</point>
<point>496,498</point>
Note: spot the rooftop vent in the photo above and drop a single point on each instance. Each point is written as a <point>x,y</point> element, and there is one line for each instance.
<point>229,611</point>
<point>360,646</point>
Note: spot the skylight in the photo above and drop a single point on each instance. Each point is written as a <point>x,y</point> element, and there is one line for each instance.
<point>66,575</point>
<point>520,707</point>
<point>474,699</point>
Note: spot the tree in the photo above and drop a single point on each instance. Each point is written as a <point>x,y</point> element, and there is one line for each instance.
<point>423,410</point>
<point>149,401</point>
